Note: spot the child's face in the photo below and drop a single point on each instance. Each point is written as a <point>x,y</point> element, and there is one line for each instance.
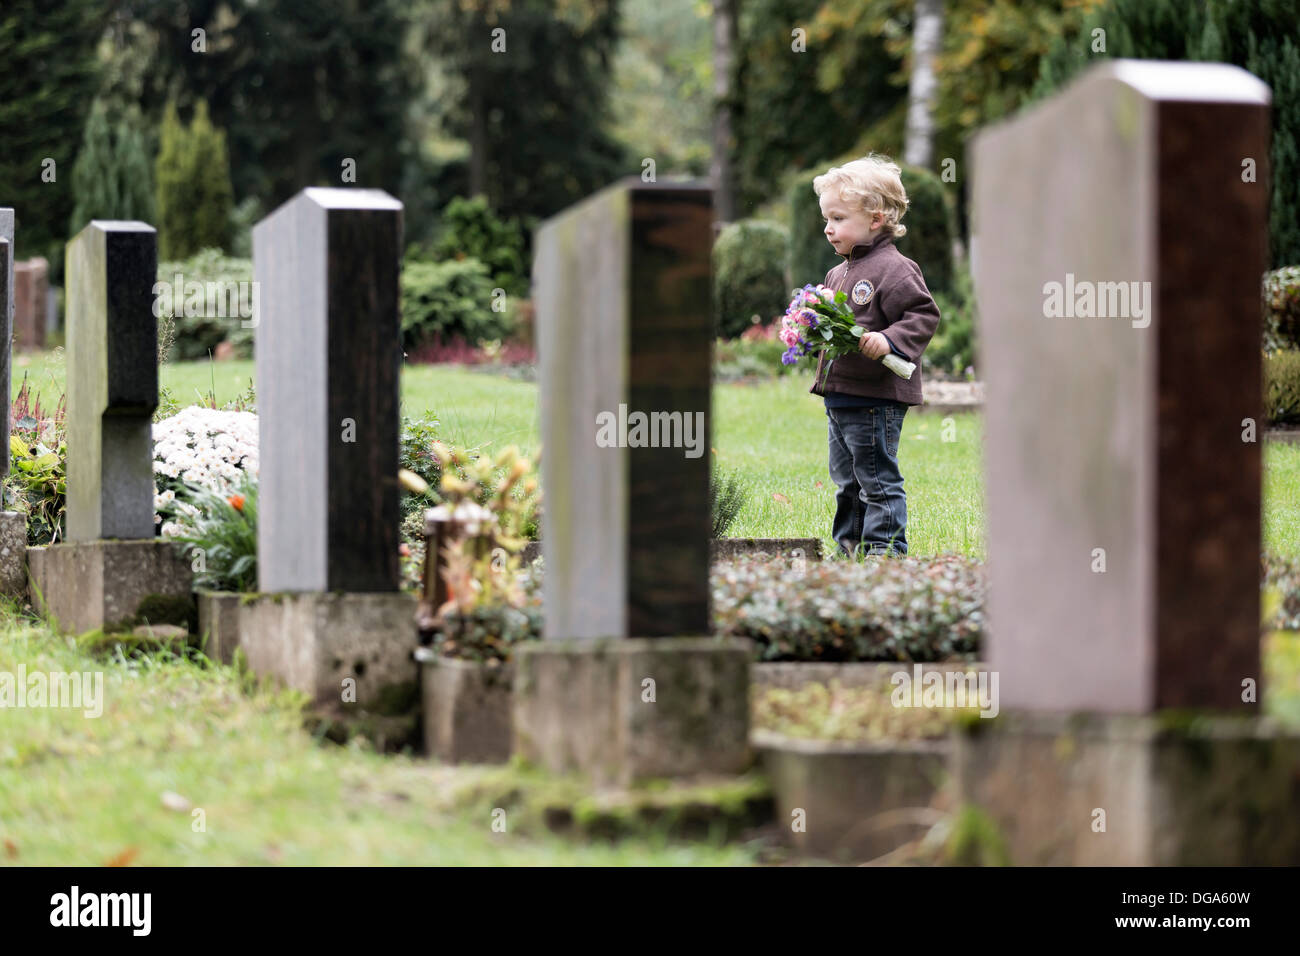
<point>847,226</point>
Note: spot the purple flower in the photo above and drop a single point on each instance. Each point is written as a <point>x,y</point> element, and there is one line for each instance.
<point>789,356</point>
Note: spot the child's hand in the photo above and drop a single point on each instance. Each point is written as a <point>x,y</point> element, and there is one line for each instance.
<point>874,345</point>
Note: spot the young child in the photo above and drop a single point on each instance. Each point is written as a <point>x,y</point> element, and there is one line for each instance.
<point>862,203</point>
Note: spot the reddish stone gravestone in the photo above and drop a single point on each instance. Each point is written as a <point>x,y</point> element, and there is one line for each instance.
<point>627,684</point>
<point>31,291</point>
<point>1120,235</point>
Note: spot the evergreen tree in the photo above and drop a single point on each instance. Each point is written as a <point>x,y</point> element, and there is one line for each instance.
<point>193,192</point>
<point>171,178</point>
<point>110,179</point>
<point>1262,36</point>
<point>95,177</point>
<point>210,174</point>
<point>46,87</point>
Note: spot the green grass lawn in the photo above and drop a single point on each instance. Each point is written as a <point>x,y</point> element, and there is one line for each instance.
<point>90,790</point>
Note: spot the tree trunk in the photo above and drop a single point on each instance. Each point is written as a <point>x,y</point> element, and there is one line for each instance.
<point>927,40</point>
<point>725,41</point>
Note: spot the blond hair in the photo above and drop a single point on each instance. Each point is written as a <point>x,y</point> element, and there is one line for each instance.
<point>872,184</point>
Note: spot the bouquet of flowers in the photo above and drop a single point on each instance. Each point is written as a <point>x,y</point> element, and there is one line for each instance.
<point>820,320</point>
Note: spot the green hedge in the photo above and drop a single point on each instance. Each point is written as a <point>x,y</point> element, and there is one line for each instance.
<point>749,275</point>
<point>447,300</point>
<point>1282,387</point>
<point>931,227</point>
<point>194,336</point>
<point>470,230</point>
<point>953,346</point>
<point>1282,309</point>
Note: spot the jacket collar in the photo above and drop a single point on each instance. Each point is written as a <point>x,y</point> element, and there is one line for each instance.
<point>862,248</point>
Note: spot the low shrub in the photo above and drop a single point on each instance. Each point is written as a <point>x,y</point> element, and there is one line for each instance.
<point>221,315</point>
<point>953,347</point>
<point>905,609</point>
<point>909,609</point>
<point>749,275</point>
<point>727,497</point>
<point>470,230</point>
<point>445,300</point>
<point>750,356</point>
<point>1281,294</point>
<point>1282,387</point>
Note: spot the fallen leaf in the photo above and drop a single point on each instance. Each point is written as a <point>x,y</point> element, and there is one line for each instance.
<point>780,497</point>
<point>819,484</point>
<point>174,801</point>
<point>124,858</point>
<point>11,849</point>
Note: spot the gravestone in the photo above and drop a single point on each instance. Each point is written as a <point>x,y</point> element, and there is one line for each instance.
<point>112,380</point>
<point>625,332</point>
<point>13,525</point>
<point>331,621</point>
<point>328,351</point>
<point>31,297</point>
<point>1119,245</point>
<point>113,563</point>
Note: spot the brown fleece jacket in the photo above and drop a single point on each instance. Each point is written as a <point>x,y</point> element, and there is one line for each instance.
<point>887,294</point>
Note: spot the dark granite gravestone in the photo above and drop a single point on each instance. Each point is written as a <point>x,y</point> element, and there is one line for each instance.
<point>625,330</point>
<point>112,355</point>
<point>626,686</point>
<point>1118,438</point>
<point>112,380</point>
<point>328,347</point>
<point>1119,244</point>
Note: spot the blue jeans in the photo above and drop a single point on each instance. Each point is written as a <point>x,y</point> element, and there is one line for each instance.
<point>870,505</point>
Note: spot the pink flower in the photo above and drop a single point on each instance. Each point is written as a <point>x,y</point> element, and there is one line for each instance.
<point>805,316</point>
<point>789,336</point>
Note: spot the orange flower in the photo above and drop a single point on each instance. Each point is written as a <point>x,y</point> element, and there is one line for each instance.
<point>236,502</point>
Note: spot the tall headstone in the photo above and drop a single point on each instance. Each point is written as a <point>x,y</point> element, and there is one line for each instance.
<point>328,346</point>
<point>112,380</point>
<point>626,685</point>
<point>31,298</point>
<point>1121,231</point>
<point>6,329</point>
<point>1120,246</point>
<point>328,351</point>
<point>113,572</point>
<point>625,332</point>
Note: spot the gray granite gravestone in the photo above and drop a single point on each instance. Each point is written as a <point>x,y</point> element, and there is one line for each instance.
<point>1120,239</point>
<point>625,686</point>
<point>112,380</point>
<point>332,622</point>
<point>328,348</point>
<point>624,330</point>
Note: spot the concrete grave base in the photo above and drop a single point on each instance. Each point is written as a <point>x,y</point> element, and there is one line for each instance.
<point>583,706</point>
<point>1175,790</point>
<point>317,642</point>
<point>13,555</point>
<point>219,624</point>
<point>466,709</point>
<point>859,801</point>
<point>107,584</point>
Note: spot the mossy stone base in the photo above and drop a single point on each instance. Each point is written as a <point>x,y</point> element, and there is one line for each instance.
<point>621,711</point>
<point>1173,789</point>
<point>13,555</point>
<point>466,710</point>
<point>836,798</point>
<point>349,653</point>
<point>111,585</point>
